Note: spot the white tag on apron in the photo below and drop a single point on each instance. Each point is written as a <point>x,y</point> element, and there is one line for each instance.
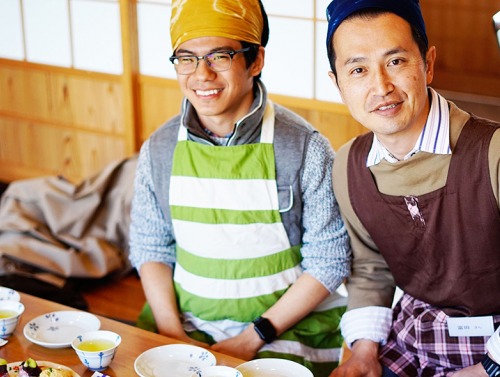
<point>470,326</point>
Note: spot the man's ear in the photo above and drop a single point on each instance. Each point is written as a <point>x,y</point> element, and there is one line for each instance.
<point>430,59</point>
<point>336,83</point>
<point>258,64</point>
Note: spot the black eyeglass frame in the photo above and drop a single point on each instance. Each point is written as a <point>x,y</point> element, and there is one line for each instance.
<point>231,54</point>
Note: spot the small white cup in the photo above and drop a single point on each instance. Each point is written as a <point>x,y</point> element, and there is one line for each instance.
<point>96,349</point>
<point>10,313</point>
<point>9,294</point>
<point>217,371</point>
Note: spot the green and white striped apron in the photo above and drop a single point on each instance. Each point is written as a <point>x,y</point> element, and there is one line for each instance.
<point>234,259</point>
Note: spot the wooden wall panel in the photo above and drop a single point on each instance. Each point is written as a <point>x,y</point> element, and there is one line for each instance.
<point>160,100</point>
<point>56,121</point>
<point>38,149</point>
<point>468,57</point>
<point>332,120</point>
<point>92,102</point>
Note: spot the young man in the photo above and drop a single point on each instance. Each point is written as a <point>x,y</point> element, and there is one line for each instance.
<point>235,230</point>
<point>420,199</point>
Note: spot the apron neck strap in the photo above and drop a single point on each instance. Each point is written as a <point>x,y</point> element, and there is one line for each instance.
<point>267,132</point>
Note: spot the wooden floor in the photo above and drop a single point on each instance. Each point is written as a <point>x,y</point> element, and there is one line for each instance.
<point>121,300</point>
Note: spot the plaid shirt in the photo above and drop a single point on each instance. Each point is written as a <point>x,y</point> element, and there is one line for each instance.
<point>419,343</point>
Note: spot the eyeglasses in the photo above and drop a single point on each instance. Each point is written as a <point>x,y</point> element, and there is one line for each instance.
<point>217,61</point>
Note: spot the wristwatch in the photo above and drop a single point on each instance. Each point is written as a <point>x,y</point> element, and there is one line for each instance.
<point>265,329</point>
<point>491,367</point>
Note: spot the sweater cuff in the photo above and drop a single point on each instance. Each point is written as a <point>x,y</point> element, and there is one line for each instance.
<point>371,322</point>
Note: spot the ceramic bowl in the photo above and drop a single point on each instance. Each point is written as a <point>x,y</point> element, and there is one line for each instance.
<point>10,313</point>
<point>273,368</point>
<point>179,360</point>
<point>9,294</point>
<point>96,349</point>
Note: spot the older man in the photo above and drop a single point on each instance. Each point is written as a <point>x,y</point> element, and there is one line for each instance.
<point>420,198</point>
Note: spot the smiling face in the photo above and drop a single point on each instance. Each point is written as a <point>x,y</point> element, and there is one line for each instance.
<point>220,98</point>
<point>382,77</point>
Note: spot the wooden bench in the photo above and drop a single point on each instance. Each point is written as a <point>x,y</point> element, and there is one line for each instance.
<point>120,299</point>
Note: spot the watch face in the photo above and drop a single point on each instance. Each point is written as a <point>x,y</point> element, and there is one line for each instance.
<point>265,329</point>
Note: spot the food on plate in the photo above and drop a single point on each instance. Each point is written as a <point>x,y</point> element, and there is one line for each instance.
<point>3,368</point>
<point>53,372</point>
<point>30,368</point>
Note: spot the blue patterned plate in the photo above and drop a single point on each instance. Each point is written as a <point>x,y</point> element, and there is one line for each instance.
<point>58,329</point>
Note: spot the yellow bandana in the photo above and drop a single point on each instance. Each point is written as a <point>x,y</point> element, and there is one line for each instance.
<point>239,20</point>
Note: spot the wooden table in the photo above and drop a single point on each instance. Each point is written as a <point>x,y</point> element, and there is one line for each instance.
<point>134,342</point>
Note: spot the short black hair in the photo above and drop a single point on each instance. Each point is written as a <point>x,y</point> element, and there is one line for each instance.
<point>251,55</point>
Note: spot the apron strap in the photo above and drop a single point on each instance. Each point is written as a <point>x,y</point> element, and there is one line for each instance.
<point>267,132</point>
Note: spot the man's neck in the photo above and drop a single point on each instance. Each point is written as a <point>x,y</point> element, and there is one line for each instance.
<point>399,147</point>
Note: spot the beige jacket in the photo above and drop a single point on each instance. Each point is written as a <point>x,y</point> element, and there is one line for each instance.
<point>70,230</point>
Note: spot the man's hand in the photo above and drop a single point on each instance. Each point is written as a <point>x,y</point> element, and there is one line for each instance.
<point>362,363</point>
<point>244,346</point>
<point>472,371</point>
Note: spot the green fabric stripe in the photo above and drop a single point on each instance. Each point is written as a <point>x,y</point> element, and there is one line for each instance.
<point>224,216</point>
<point>239,269</point>
<point>241,310</point>
<point>196,160</point>
<point>318,369</point>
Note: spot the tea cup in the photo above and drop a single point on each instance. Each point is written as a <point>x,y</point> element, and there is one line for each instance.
<point>10,313</point>
<point>96,349</point>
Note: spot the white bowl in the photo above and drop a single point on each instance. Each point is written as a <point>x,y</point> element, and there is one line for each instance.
<point>10,312</point>
<point>179,360</point>
<point>101,351</point>
<point>9,294</point>
<point>273,368</point>
<point>217,371</point>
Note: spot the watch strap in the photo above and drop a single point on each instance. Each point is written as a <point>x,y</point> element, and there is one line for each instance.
<point>265,329</point>
<point>490,366</point>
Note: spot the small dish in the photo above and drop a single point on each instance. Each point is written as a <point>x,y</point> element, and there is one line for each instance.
<point>13,368</point>
<point>9,294</point>
<point>273,368</point>
<point>58,329</point>
<point>179,360</point>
